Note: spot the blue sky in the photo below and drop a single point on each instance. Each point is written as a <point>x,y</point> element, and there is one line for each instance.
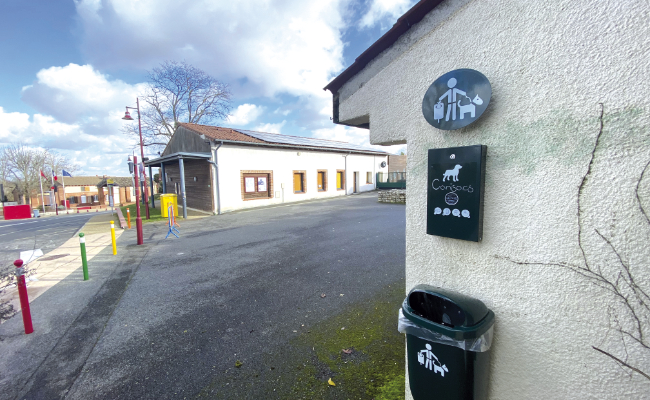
<point>70,67</point>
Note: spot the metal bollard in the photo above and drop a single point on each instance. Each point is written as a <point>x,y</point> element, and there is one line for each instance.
<point>128,217</point>
<point>113,237</point>
<point>84,261</point>
<point>22,293</point>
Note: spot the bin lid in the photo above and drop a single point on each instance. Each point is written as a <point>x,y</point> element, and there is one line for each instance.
<point>447,312</point>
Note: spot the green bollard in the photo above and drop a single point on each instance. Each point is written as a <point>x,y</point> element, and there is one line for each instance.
<point>84,262</point>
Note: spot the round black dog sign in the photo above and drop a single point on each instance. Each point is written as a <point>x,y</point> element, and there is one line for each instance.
<point>456,99</point>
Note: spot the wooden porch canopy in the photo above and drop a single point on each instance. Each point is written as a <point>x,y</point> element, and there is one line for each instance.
<point>173,158</point>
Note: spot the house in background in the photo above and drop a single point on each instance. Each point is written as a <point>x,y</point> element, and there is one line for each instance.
<point>86,191</point>
<point>218,169</point>
<point>123,190</point>
<point>396,163</point>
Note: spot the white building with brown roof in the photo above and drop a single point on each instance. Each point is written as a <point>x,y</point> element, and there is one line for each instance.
<point>219,169</point>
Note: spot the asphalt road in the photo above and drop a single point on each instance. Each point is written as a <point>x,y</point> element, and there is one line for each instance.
<point>174,316</point>
<point>45,233</point>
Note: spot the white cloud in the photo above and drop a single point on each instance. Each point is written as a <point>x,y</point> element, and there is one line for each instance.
<point>12,125</point>
<point>281,111</point>
<point>245,114</point>
<point>270,128</point>
<point>79,94</point>
<point>69,139</point>
<point>284,46</point>
<point>79,115</point>
<point>358,136</point>
<point>385,12</point>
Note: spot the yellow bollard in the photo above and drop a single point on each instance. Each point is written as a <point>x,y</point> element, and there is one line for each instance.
<point>128,217</point>
<point>113,237</point>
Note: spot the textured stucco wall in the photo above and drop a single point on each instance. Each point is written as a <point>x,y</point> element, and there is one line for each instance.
<point>233,159</point>
<point>550,64</point>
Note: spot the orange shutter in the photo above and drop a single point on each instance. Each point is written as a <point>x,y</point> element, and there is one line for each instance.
<point>320,181</point>
<point>297,183</point>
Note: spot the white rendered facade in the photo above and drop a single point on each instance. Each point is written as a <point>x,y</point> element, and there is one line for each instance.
<point>561,190</point>
<point>235,159</point>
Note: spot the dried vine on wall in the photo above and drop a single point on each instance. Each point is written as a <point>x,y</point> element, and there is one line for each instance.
<point>630,311</point>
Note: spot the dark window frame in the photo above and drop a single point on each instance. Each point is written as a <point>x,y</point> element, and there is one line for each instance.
<point>342,172</point>
<point>324,172</point>
<point>303,174</point>
<point>257,194</point>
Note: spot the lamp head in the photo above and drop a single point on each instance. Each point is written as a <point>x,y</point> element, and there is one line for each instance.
<point>127,116</point>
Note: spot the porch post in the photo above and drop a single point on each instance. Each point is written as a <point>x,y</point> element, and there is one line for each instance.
<point>153,204</point>
<point>182,171</point>
<point>163,178</point>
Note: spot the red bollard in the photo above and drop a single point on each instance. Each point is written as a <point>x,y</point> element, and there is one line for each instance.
<point>77,211</point>
<point>22,293</point>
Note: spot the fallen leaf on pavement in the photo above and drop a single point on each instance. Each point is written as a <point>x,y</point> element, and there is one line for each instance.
<point>322,295</point>
<point>331,382</point>
<point>238,363</point>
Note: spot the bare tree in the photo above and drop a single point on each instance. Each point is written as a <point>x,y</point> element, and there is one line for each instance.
<point>178,92</point>
<point>5,166</point>
<point>25,164</point>
<point>55,162</point>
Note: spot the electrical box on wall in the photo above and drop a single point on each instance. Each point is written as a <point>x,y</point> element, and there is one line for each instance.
<point>455,192</point>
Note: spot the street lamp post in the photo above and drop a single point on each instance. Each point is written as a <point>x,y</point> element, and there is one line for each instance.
<point>128,117</point>
<point>138,218</point>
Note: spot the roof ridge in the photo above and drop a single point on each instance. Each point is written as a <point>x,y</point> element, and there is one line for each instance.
<point>304,137</point>
<point>270,133</point>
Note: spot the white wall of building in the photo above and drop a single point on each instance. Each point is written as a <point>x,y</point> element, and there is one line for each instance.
<point>551,65</point>
<point>234,159</point>
<point>79,189</point>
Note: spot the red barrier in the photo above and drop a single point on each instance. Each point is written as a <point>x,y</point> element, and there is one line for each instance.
<point>18,212</point>
<point>22,293</point>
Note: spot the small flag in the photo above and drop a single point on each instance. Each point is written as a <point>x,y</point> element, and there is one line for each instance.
<point>65,173</point>
<point>54,176</point>
<point>42,174</point>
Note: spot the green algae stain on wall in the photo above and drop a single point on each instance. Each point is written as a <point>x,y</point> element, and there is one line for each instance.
<point>559,139</point>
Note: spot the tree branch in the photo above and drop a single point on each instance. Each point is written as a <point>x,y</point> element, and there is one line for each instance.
<point>623,363</point>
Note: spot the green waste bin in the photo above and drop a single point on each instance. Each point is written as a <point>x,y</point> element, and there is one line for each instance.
<point>448,339</point>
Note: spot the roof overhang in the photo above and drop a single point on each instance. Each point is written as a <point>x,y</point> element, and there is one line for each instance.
<point>304,148</point>
<point>403,24</point>
<point>175,156</point>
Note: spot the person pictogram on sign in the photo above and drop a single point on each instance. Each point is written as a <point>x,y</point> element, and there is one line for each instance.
<point>430,361</point>
<point>451,98</point>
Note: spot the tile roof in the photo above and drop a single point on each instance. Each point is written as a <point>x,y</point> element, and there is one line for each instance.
<point>123,181</point>
<point>219,133</point>
<point>79,180</point>
<point>93,180</point>
<point>241,135</point>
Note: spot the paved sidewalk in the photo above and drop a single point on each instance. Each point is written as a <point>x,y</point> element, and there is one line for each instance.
<point>53,267</point>
<point>68,319</point>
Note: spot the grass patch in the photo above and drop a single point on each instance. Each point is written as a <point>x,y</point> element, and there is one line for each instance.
<point>154,214</point>
<point>370,368</point>
<point>374,367</point>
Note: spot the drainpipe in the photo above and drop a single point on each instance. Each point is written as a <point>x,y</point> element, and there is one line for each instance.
<point>345,179</point>
<point>215,181</point>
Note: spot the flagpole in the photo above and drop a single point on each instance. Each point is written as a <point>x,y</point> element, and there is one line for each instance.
<point>40,179</point>
<point>56,206</point>
<point>65,203</point>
